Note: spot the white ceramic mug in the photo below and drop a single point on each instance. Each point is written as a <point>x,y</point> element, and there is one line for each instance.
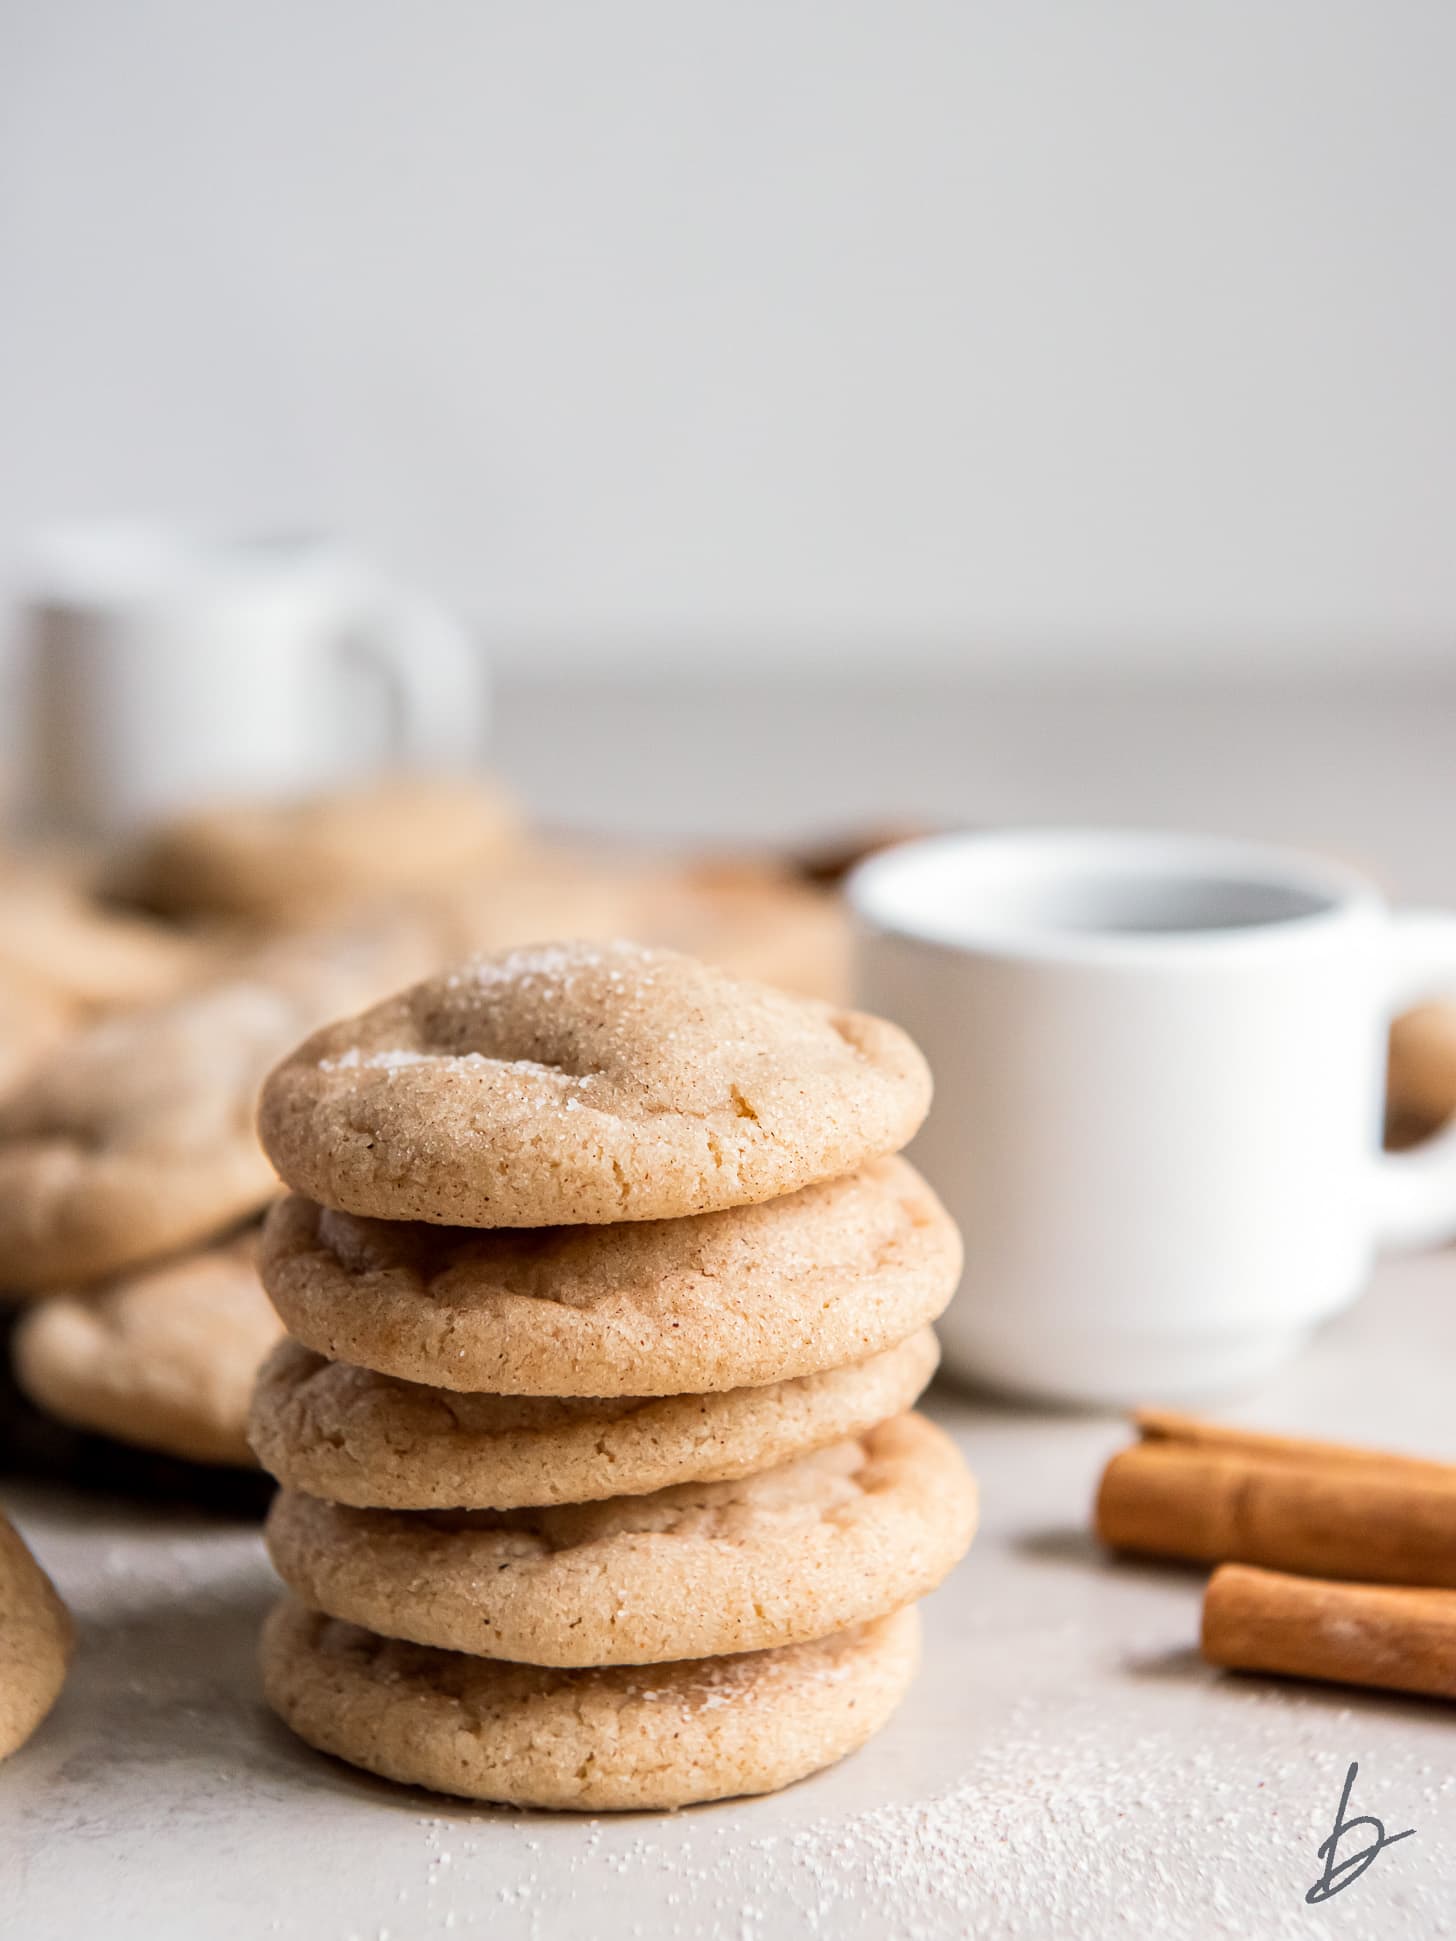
<point>165,673</point>
<point>1159,1077</point>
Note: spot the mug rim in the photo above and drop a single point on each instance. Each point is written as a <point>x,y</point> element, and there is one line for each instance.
<point>1341,896</point>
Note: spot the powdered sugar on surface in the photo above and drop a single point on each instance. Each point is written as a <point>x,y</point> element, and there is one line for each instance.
<point>1050,1833</point>
<point>1064,1767</point>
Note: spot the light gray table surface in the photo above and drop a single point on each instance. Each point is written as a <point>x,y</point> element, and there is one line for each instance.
<point>1065,1765</point>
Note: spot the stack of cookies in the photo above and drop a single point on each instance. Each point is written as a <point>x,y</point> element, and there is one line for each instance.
<point>607,1305</point>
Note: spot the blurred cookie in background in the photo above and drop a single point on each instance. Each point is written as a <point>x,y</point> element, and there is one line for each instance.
<point>163,1359</point>
<point>270,864</point>
<point>87,955</point>
<point>752,918</point>
<point>458,845</point>
<point>33,1019</point>
<point>36,1641</point>
<point>1421,1080</point>
<point>40,1447</point>
<point>544,888</point>
<point>134,1139</point>
<point>748,915</point>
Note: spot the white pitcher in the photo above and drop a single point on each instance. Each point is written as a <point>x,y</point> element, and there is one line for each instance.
<point>162,673</point>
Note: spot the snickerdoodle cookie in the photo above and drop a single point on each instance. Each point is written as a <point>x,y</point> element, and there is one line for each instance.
<point>35,1641</point>
<point>272,862</point>
<point>628,1738</point>
<point>580,1083</point>
<point>90,956</point>
<point>753,920</point>
<point>1421,1089</point>
<point>33,1020</point>
<point>135,1138</point>
<point>369,1440</point>
<point>735,1299</point>
<point>832,1539</point>
<point>164,1359</point>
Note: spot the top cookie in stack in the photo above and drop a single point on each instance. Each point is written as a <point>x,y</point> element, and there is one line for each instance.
<point>606,1299</point>
<point>586,1083</point>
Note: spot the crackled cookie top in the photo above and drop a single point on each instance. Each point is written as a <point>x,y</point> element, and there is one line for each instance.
<point>35,1641</point>
<point>163,1359</point>
<point>832,1539</point>
<point>655,1307</point>
<point>629,1738</point>
<point>356,1437</point>
<point>579,1083</point>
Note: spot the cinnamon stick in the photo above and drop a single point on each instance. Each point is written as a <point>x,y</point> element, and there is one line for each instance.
<point>1353,1634</point>
<point>1236,1496</point>
<point>1170,1425</point>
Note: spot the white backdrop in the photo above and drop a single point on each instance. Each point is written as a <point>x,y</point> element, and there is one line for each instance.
<point>773,328</point>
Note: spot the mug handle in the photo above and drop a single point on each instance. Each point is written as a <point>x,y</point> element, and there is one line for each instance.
<point>1416,1190</point>
<point>432,671</point>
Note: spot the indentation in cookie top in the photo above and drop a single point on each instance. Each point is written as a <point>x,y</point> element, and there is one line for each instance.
<point>586,1083</point>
